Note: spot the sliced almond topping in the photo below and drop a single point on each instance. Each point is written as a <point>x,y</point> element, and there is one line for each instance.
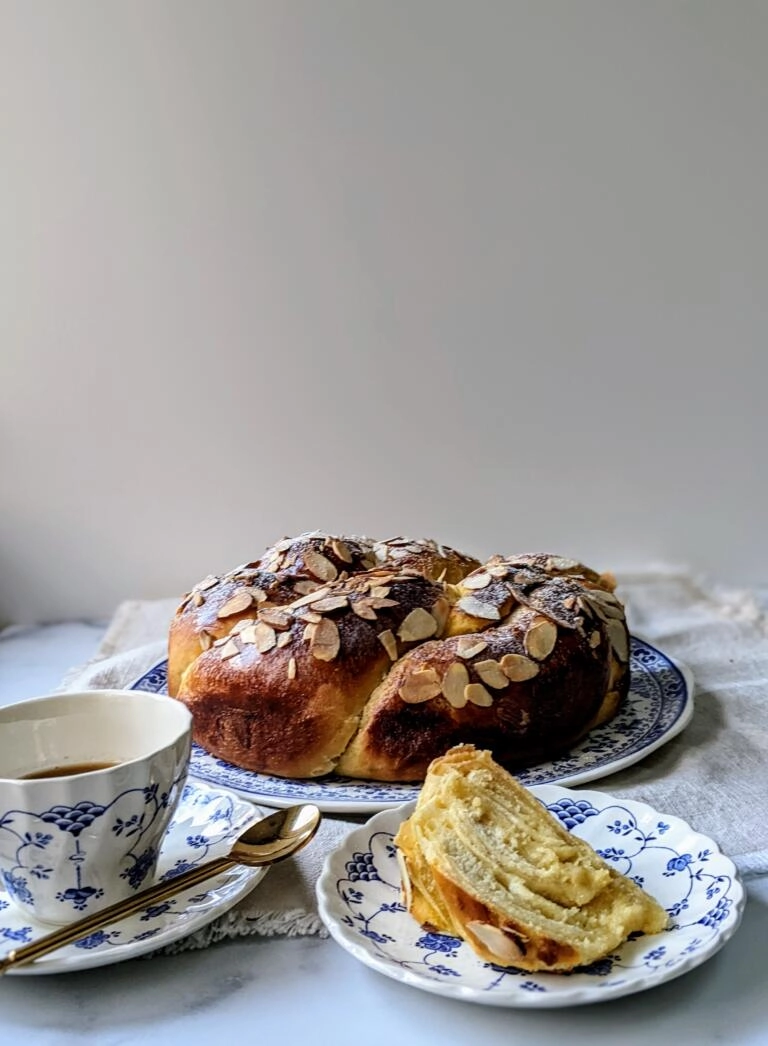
<point>207,583</point>
<point>328,603</point>
<point>198,598</point>
<point>305,587</point>
<point>388,641</point>
<point>475,581</point>
<point>525,577</point>
<point>248,634</point>
<point>325,641</point>
<point>364,609</point>
<point>498,570</point>
<point>384,577</point>
<point>379,591</point>
<point>586,606</point>
<point>540,638</point>
<point>420,686</point>
<point>244,622</point>
<point>320,566</point>
<point>230,649</point>
<point>259,595</point>
<point>277,617</point>
<point>491,674</point>
<point>455,682</point>
<point>284,639</point>
<point>476,694</point>
<point>406,890</point>
<point>292,668</point>
<point>561,563</point>
<point>605,604</point>
<point>497,943</point>
<point>236,604</point>
<point>380,604</point>
<point>265,637</point>
<point>614,612</point>
<point>341,549</point>
<point>311,597</point>
<point>476,608</point>
<point>518,668</point>
<point>419,624</point>
<point>308,614</point>
<point>441,608</point>
<point>569,603</point>
<point>594,640</point>
<point>309,631</point>
<point>206,640</point>
<point>618,637</point>
<point>468,646</point>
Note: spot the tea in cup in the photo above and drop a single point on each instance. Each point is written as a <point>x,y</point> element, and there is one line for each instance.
<point>89,782</point>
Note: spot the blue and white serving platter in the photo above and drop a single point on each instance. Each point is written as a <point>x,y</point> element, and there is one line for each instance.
<point>205,825</point>
<point>659,705</point>
<point>359,901</point>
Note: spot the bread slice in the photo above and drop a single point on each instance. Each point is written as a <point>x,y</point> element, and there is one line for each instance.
<point>484,860</point>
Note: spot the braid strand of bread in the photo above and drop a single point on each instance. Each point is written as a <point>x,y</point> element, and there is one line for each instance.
<point>370,658</point>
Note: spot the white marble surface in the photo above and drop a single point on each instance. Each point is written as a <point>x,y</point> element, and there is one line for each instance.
<point>309,990</point>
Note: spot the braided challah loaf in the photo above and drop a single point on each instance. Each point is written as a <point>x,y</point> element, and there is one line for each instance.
<point>371,658</point>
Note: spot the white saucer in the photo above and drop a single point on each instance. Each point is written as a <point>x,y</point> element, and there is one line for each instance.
<point>207,822</point>
<point>359,899</point>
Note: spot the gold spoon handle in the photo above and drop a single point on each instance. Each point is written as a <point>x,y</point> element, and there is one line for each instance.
<point>114,912</point>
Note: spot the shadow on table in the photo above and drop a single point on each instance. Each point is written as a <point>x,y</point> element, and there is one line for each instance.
<point>319,993</point>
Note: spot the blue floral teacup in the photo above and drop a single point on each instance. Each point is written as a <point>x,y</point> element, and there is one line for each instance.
<point>88,784</point>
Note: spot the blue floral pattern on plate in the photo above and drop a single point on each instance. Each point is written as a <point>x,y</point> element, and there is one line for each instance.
<point>359,898</point>
<point>659,706</point>
<point>206,823</point>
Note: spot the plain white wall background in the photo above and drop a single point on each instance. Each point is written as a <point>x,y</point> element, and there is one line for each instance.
<point>490,271</point>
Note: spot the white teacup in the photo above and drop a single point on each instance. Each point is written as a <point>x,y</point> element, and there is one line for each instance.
<point>85,830</point>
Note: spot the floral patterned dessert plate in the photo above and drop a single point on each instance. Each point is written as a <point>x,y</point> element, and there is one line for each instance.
<point>206,824</point>
<point>359,900</point>
<point>659,705</point>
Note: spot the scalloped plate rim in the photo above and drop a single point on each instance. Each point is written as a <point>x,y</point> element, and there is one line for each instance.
<point>388,820</point>
<point>328,793</point>
<point>232,885</point>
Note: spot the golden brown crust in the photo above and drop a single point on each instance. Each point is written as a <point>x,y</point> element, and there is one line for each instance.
<point>334,657</point>
<point>437,562</point>
<point>548,705</point>
<point>301,712</point>
<point>209,612</point>
<point>560,566</point>
<point>289,569</point>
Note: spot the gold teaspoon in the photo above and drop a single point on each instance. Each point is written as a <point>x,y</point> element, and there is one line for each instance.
<point>271,839</point>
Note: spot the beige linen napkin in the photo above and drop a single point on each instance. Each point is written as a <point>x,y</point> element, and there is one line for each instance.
<point>714,774</point>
